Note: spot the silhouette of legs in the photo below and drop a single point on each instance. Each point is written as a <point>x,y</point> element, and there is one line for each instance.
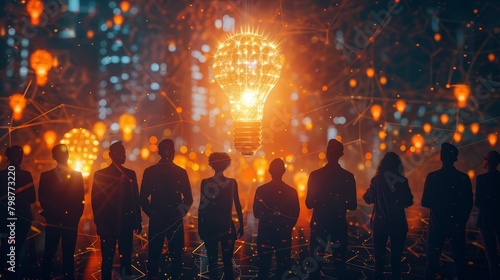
<point>491,240</point>
<point>108,246</point>
<point>379,243</point>
<point>457,242</point>
<point>336,242</point>
<point>435,241</point>
<point>125,243</point>
<point>156,236</point>
<point>265,258</point>
<point>398,240</point>
<point>227,246</point>
<point>283,257</point>
<point>52,237</point>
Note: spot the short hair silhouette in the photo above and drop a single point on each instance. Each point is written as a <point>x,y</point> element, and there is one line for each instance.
<point>116,147</point>
<point>277,167</point>
<point>493,158</point>
<point>334,150</point>
<point>14,154</point>
<point>219,161</point>
<point>60,153</point>
<point>449,153</point>
<point>165,145</point>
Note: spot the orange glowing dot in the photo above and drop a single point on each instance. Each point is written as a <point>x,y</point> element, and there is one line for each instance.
<point>461,93</point>
<point>153,140</point>
<point>437,37</point>
<point>492,139</point>
<point>27,149</point>
<point>90,34</point>
<point>368,155</point>
<point>471,173</point>
<point>178,110</point>
<point>322,155</point>
<point>491,57</point>
<point>457,137</point>
<point>460,128</point>
<point>183,149</point>
<point>382,135</point>
<point>382,146</point>
<point>118,19</point>
<point>35,10</point>
<point>125,6</point>
<point>418,141</point>
<point>370,72</point>
<point>448,85</point>
<point>400,106</point>
<point>353,83</point>
<point>402,148</point>
<point>376,111</point>
<point>383,80</point>
<point>474,128</point>
<point>427,128</point>
<point>153,148</point>
<point>444,118</point>
<point>324,88</point>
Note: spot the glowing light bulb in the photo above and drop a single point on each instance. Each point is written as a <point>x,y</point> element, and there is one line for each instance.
<point>127,123</point>
<point>17,103</point>
<point>418,142</point>
<point>50,138</point>
<point>492,139</point>
<point>376,111</point>
<point>474,128</point>
<point>427,128</point>
<point>83,148</point>
<point>35,9</point>
<point>247,66</point>
<point>461,93</point>
<point>400,106</point>
<point>41,61</point>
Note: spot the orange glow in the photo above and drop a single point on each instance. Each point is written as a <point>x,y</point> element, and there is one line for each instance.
<point>90,34</point>
<point>178,110</point>
<point>461,92</point>
<point>144,153</point>
<point>368,155</point>
<point>437,37</point>
<point>382,146</point>
<point>382,134</point>
<point>491,57</point>
<point>353,83</point>
<point>127,123</point>
<point>118,19</point>
<point>492,139</point>
<point>400,106</point>
<point>300,181</point>
<point>50,138</point>
<point>471,174</point>
<point>26,149</point>
<point>99,129</point>
<point>153,139</point>
<point>444,118</point>
<point>460,128</point>
<point>83,149</point>
<point>35,9</point>
<point>376,111</point>
<point>153,148</point>
<point>370,72</point>
<point>324,88</point>
<point>474,128</point>
<point>457,137</point>
<point>427,128</point>
<point>41,61</point>
<point>17,103</point>
<point>383,80</point>
<point>418,141</point>
<point>125,6</point>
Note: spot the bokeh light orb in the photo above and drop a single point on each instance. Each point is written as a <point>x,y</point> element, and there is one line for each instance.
<point>83,149</point>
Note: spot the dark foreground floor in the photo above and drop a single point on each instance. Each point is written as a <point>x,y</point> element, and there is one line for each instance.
<point>360,262</point>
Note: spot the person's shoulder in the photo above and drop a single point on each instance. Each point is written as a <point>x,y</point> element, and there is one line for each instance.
<point>47,173</point>
<point>128,170</point>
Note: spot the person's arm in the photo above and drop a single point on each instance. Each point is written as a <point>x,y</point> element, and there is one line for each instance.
<point>44,194</point>
<point>407,196</point>
<point>257,205</point>
<point>145,193</point>
<point>371,194</point>
<point>187,195</point>
<point>480,195</point>
<point>30,191</point>
<point>351,199</point>
<point>427,195</point>
<point>137,205</point>
<point>81,195</point>
<point>239,211</point>
<point>468,198</point>
<point>312,186</point>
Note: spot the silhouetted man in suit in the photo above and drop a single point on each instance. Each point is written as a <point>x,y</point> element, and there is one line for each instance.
<point>448,194</point>
<point>165,197</point>
<point>488,202</point>
<point>117,213</point>
<point>61,195</point>
<point>331,191</point>
<point>276,205</point>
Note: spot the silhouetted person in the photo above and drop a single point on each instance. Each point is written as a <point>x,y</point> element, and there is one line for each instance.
<point>165,197</point>
<point>61,195</point>
<point>390,193</point>
<point>488,202</point>
<point>20,185</point>
<point>117,213</point>
<point>331,191</point>
<point>448,194</point>
<point>215,222</point>
<point>276,205</point>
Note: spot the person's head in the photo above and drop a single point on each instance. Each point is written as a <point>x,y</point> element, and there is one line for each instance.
<point>277,168</point>
<point>491,160</point>
<point>166,149</point>
<point>219,161</point>
<point>60,153</point>
<point>334,150</point>
<point>117,153</point>
<point>449,153</point>
<point>391,162</point>
<point>14,155</point>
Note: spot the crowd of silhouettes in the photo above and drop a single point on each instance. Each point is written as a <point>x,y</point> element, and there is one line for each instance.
<point>165,197</point>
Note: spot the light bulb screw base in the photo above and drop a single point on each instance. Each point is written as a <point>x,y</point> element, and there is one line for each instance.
<point>247,137</point>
